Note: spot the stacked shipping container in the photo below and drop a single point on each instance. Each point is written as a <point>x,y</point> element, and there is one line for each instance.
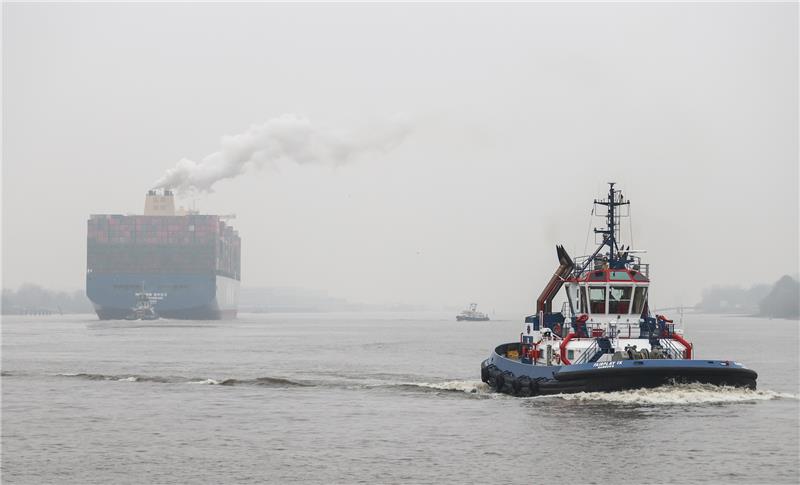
<point>163,244</point>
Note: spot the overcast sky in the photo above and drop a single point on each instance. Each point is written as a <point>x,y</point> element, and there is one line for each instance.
<point>517,115</point>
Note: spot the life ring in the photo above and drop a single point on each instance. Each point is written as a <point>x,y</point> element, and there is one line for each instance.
<point>580,325</point>
<point>557,329</point>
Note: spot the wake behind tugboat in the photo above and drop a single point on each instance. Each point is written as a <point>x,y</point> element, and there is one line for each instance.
<point>678,394</point>
<point>605,338</point>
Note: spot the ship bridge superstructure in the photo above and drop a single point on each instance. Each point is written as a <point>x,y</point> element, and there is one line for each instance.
<point>606,308</point>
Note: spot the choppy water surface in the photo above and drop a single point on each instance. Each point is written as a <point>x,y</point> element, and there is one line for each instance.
<point>370,398</point>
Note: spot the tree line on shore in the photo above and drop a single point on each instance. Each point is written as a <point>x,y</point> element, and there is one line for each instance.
<point>779,300</point>
<point>31,299</point>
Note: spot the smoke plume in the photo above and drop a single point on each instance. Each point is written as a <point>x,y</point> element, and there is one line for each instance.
<point>288,137</point>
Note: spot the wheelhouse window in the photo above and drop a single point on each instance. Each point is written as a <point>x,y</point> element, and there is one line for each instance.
<point>619,299</point>
<point>619,276</point>
<point>597,276</point>
<point>597,299</point>
<point>639,297</point>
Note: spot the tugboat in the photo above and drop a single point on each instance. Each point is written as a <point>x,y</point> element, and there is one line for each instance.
<point>472,314</point>
<point>143,310</point>
<point>605,338</point>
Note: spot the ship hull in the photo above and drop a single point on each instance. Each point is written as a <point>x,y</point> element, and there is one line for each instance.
<point>513,377</point>
<point>179,296</point>
<point>472,319</point>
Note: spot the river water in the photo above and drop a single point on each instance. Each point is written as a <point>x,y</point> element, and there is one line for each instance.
<point>370,398</point>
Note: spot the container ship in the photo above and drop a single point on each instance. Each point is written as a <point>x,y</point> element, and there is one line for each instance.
<point>187,264</point>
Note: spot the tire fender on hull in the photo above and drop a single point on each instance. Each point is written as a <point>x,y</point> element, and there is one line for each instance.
<point>505,382</point>
<point>522,386</point>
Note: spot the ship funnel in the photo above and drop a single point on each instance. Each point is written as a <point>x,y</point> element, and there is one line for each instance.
<point>159,203</point>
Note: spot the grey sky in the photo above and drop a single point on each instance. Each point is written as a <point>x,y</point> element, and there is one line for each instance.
<point>519,115</point>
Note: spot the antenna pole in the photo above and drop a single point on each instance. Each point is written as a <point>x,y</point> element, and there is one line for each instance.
<point>612,223</point>
<point>612,240</point>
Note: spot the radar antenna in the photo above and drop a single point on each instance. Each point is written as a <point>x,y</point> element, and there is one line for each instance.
<point>617,256</point>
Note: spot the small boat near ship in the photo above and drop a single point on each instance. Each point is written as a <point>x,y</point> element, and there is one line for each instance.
<point>472,314</point>
<point>605,338</point>
<point>143,310</point>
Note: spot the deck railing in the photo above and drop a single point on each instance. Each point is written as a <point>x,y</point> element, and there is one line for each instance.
<point>587,353</point>
<point>671,348</point>
<point>636,265</point>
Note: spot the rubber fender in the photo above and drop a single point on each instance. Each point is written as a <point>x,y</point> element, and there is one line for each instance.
<point>534,385</point>
<point>516,386</point>
<point>523,386</point>
<point>492,370</point>
<point>508,381</point>
<point>499,381</point>
<point>484,374</point>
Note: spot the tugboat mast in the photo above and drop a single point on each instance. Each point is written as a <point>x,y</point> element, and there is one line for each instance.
<point>610,233</point>
<point>615,257</point>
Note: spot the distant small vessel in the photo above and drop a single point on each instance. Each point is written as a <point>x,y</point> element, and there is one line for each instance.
<point>472,314</point>
<point>605,338</point>
<point>143,310</point>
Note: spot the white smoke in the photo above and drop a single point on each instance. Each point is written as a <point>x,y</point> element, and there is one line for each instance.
<point>286,138</point>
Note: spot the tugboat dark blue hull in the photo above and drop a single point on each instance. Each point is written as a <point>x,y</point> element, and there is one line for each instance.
<point>510,376</point>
